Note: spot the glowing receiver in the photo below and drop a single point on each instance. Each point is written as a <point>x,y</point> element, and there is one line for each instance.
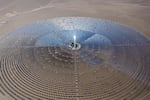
<point>74,45</point>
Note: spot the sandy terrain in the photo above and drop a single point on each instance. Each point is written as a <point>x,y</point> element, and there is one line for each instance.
<point>17,13</point>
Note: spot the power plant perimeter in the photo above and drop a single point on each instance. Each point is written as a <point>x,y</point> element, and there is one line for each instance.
<point>74,58</point>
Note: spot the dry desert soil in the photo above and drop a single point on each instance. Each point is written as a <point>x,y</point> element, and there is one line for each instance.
<point>16,13</point>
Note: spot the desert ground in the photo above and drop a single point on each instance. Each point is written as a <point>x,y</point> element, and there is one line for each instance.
<point>17,13</point>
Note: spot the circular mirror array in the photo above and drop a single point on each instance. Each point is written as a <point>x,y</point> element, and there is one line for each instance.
<point>74,58</point>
